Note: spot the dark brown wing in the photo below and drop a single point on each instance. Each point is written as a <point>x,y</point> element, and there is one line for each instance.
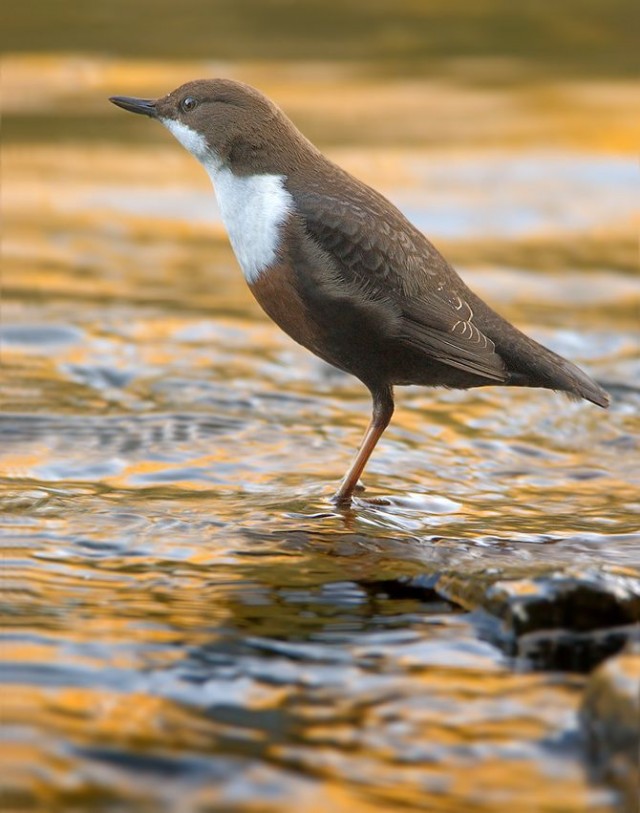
<point>375,248</point>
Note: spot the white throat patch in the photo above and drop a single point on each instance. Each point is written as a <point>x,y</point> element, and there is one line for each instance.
<point>190,139</point>
<point>253,207</point>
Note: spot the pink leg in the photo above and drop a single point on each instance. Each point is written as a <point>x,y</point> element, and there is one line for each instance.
<point>382,412</point>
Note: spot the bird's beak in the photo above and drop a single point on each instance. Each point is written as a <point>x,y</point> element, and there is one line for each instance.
<point>145,106</point>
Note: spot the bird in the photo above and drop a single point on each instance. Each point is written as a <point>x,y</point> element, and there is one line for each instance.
<point>340,269</point>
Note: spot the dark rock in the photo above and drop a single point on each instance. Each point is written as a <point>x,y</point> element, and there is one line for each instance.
<point>572,651</point>
<point>560,620</point>
<point>582,602</point>
<point>610,719</point>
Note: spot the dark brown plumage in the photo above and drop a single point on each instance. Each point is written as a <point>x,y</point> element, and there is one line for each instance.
<point>350,277</point>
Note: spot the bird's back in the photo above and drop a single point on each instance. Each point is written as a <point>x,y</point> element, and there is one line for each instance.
<point>437,330</point>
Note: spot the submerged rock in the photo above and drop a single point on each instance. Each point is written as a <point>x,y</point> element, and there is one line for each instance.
<point>611,722</point>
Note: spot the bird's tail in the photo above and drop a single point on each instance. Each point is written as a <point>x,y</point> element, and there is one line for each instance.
<point>530,364</point>
<point>540,367</point>
<point>583,386</point>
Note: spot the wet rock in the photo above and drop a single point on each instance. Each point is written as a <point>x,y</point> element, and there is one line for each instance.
<point>572,651</point>
<point>560,620</point>
<point>581,601</point>
<point>611,722</point>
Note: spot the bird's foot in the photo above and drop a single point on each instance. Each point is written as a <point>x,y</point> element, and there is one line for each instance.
<point>343,499</point>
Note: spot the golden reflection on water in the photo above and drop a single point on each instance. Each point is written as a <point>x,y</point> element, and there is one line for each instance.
<point>189,621</point>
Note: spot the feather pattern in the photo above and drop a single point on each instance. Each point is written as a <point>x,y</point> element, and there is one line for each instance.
<point>379,256</point>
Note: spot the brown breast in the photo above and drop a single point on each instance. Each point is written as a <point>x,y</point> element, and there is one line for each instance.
<point>277,294</point>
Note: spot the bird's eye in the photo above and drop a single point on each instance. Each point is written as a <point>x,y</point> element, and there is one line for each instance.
<point>188,104</point>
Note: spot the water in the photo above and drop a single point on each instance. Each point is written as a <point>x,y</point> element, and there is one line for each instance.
<point>189,624</point>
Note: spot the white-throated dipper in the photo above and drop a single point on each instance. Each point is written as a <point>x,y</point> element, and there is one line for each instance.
<point>339,268</point>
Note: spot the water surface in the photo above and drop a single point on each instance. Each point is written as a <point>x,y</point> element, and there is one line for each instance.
<point>189,624</point>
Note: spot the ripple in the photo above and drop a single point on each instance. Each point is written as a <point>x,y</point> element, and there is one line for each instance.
<point>189,624</point>
<point>40,338</point>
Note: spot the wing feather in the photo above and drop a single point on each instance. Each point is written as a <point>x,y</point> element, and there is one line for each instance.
<point>375,248</point>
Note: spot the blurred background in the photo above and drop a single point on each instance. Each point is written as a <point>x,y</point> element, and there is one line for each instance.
<point>189,626</point>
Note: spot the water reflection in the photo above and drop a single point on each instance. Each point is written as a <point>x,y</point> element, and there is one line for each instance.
<point>284,659</point>
<point>189,623</point>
